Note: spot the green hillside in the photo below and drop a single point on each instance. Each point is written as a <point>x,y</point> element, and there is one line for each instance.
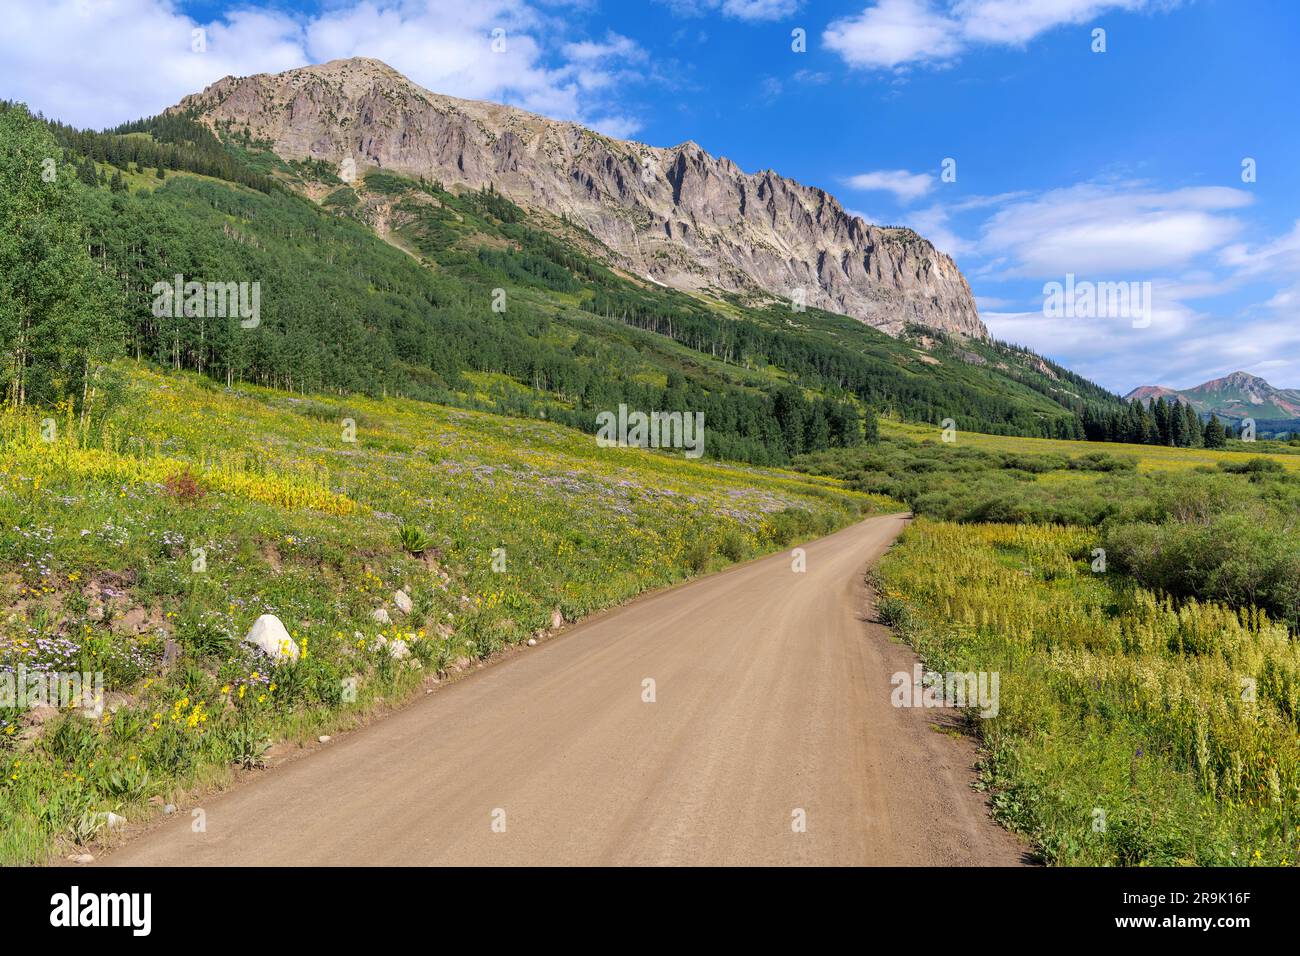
<point>417,312</point>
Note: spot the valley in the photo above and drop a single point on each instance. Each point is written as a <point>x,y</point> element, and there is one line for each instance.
<point>335,408</point>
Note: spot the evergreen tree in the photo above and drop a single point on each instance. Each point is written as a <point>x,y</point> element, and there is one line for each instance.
<point>1195,432</point>
<point>1214,435</point>
<point>1177,425</point>
<point>1160,412</point>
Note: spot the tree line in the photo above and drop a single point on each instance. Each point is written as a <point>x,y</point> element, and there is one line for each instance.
<point>1158,422</point>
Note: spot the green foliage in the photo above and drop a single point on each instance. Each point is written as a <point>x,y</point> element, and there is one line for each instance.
<point>1123,734</point>
<point>346,312</point>
<point>58,318</point>
<point>301,524</point>
<point>172,140</point>
<point>1223,536</point>
<point>248,746</point>
<point>414,540</point>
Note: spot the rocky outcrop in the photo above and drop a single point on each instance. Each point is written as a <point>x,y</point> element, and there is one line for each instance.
<point>268,634</point>
<point>678,216</point>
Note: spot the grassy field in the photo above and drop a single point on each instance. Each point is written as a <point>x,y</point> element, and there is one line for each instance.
<point>193,510</point>
<point>1139,605</point>
<point>1148,457</point>
<point>1133,729</point>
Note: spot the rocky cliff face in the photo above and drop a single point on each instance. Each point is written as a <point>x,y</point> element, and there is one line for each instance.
<point>678,216</point>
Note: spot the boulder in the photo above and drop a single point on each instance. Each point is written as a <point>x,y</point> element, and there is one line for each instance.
<point>132,622</point>
<point>270,636</point>
<point>380,616</point>
<point>402,601</point>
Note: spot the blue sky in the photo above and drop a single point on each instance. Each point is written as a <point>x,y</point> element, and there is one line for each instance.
<point>1122,165</point>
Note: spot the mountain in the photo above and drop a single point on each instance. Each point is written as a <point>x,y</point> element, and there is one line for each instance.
<point>1235,396</point>
<point>390,283</point>
<point>678,216</point>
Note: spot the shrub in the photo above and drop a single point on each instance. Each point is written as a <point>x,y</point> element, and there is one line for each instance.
<point>414,540</point>
<point>184,487</point>
<point>697,555</point>
<point>733,545</point>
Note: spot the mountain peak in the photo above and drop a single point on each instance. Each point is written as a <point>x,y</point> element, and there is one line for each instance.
<point>352,63</point>
<point>678,216</point>
<point>1238,379</point>
<point>1236,395</point>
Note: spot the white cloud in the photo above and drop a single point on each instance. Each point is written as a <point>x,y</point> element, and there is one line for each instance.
<point>893,34</point>
<point>615,47</point>
<point>932,222</point>
<point>1111,351</point>
<point>1183,241</point>
<point>1282,253</point>
<point>751,10</point>
<point>1019,21</point>
<point>759,9</point>
<point>101,62</point>
<point>1089,229</point>
<point>905,185</point>
<point>619,127</point>
<point>444,45</point>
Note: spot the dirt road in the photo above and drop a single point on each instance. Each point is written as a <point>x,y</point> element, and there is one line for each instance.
<point>771,696</point>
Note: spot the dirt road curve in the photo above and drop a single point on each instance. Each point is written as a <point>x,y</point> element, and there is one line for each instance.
<point>771,695</point>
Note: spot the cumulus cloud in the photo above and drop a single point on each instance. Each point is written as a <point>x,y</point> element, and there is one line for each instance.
<point>895,34</point>
<point>905,185</point>
<point>444,45</point>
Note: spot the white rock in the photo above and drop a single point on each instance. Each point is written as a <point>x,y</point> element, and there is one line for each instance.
<point>380,616</point>
<point>398,650</point>
<point>268,634</point>
<point>403,601</point>
<point>83,858</point>
<point>114,821</point>
<point>532,642</point>
<point>169,809</point>
<point>557,618</point>
<point>323,738</point>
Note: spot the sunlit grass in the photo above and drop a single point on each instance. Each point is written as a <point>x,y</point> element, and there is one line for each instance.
<point>195,509</point>
<point>1131,730</point>
<point>1149,457</point>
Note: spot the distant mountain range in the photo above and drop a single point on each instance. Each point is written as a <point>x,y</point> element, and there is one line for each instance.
<point>1235,396</point>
